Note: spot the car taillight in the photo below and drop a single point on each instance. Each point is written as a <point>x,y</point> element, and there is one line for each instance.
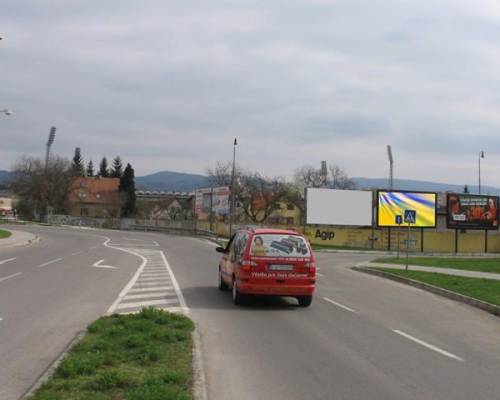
<point>312,268</point>
<point>246,265</point>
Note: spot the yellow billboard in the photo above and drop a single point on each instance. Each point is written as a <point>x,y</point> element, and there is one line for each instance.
<point>391,204</point>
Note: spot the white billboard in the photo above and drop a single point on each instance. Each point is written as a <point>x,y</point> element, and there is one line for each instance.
<point>339,207</point>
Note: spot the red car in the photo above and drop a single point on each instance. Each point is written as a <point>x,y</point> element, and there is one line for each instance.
<point>268,262</point>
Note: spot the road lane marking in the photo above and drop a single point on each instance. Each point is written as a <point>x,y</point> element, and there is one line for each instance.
<point>340,305</point>
<point>175,284</point>
<point>98,265</point>
<point>428,345</point>
<point>147,303</point>
<point>155,289</point>
<point>8,260</point>
<point>10,276</point>
<point>78,252</point>
<point>317,273</point>
<point>147,295</point>
<point>50,262</point>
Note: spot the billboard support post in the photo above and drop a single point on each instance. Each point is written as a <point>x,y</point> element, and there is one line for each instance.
<point>456,241</point>
<point>421,240</point>
<point>486,240</point>
<point>388,239</point>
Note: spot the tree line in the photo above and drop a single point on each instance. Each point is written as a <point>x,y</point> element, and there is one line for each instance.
<point>258,196</point>
<point>43,187</point>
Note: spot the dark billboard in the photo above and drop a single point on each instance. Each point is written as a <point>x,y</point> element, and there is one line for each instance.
<point>468,211</point>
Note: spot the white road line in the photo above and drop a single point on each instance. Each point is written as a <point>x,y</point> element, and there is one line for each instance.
<point>152,283</point>
<point>428,345</point>
<point>148,295</point>
<point>156,289</point>
<point>147,303</point>
<point>10,276</point>
<point>78,252</point>
<point>50,262</point>
<point>318,274</point>
<point>177,288</point>
<point>154,275</point>
<point>8,260</point>
<point>340,305</point>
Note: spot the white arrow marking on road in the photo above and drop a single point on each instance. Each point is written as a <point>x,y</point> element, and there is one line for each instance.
<point>98,265</point>
<point>6,261</point>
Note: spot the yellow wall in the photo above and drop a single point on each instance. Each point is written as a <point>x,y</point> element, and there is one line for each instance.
<point>434,241</point>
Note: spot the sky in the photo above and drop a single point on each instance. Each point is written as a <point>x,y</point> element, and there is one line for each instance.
<point>167,85</point>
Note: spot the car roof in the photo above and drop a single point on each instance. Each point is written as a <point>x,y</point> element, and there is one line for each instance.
<point>263,231</point>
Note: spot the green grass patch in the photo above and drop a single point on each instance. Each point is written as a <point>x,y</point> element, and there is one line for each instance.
<point>145,356</point>
<point>4,234</point>
<point>479,288</point>
<point>470,264</point>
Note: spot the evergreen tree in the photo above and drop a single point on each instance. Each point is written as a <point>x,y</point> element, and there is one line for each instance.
<point>77,167</point>
<point>117,168</point>
<point>90,169</point>
<point>103,168</point>
<point>127,189</point>
<point>466,189</point>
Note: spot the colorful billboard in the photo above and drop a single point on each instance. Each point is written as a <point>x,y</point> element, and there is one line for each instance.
<point>390,204</point>
<point>217,198</point>
<point>339,207</point>
<point>468,211</point>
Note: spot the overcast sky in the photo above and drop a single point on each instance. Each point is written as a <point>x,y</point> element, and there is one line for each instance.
<point>168,84</point>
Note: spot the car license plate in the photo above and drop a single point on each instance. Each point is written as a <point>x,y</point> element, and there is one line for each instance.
<point>281,267</point>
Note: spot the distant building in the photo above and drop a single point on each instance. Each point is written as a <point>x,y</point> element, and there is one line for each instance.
<point>174,206</point>
<point>95,197</point>
<point>5,203</point>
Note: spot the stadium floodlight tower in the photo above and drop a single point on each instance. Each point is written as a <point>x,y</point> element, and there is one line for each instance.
<point>6,111</point>
<point>481,155</point>
<point>50,142</point>
<point>391,166</point>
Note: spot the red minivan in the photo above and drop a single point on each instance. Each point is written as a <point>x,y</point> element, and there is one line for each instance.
<point>271,262</point>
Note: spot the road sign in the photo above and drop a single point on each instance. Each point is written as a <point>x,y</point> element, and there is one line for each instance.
<point>399,219</point>
<point>410,216</point>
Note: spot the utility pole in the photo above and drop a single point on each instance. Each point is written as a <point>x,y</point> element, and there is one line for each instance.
<point>481,155</point>
<point>233,197</point>
<point>391,166</point>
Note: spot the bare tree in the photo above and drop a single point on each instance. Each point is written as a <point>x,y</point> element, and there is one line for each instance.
<point>39,186</point>
<point>308,176</point>
<point>339,178</point>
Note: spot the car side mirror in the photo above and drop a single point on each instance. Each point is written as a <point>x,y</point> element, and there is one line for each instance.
<point>220,249</point>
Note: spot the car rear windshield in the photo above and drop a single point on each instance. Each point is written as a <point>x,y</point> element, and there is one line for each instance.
<point>279,245</point>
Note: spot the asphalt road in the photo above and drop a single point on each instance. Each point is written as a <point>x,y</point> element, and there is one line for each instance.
<point>363,337</point>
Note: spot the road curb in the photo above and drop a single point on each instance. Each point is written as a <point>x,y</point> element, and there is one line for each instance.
<point>199,379</point>
<point>483,305</point>
<point>49,371</point>
<point>20,244</point>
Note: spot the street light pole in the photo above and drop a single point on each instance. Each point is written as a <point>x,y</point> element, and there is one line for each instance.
<point>481,155</point>
<point>231,205</point>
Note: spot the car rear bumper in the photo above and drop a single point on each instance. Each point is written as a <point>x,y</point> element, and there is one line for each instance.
<point>246,287</point>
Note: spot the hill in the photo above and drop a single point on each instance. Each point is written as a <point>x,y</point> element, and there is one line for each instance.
<point>171,181</point>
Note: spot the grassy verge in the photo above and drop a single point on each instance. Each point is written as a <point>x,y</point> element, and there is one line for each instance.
<point>471,264</point>
<point>483,289</point>
<point>4,234</point>
<point>145,356</point>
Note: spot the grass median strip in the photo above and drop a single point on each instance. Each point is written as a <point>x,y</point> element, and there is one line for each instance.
<point>469,264</point>
<point>479,288</point>
<point>144,356</point>
<point>4,234</point>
